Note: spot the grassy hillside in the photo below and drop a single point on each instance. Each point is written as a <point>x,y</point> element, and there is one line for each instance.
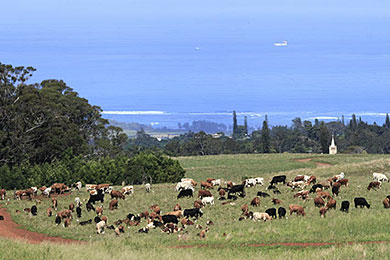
<point>358,225</point>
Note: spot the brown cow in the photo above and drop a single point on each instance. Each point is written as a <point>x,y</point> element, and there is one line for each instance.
<point>102,186</point>
<point>209,180</point>
<point>343,182</point>
<point>255,202</point>
<point>221,192</point>
<point>206,185</point>
<point>71,207</point>
<point>299,178</point>
<point>296,208</point>
<point>113,204</point>
<point>155,209</point>
<point>276,201</point>
<point>198,204</point>
<point>374,185</point>
<point>323,211</point>
<point>177,207</point>
<point>331,204</point>
<point>153,215</point>
<point>2,194</point>
<point>326,184</point>
<point>204,193</point>
<point>67,222</point>
<point>337,184</point>
<point>177,213</point>
<point>303,194</point>
<point>54,203</point>
<point>144,214</point>
<point>312,179</point>
<point>99,211</point>
<point>244,209</point>
<point>49,212</point>
<point>319,202</point>
<point>58,188</point>
<point>324,194</point>
<point>65,214</point>
<point>229,184</point>
<point>117,195</point>
<point>386,203</point>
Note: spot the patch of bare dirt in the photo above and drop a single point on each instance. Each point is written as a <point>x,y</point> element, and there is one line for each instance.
<point>318,164</point>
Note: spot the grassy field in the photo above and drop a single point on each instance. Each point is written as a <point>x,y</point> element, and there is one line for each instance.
<point>358,225</point>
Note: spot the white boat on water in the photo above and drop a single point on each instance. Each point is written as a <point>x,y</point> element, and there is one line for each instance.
<point>279,44</point>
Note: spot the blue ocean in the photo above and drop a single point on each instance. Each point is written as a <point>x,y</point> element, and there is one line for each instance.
<point>164,62</point>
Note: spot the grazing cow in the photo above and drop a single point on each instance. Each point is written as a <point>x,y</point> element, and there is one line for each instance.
<point>78,185</point>
<point>195,212</point>
<point>303,194</point>
<point>244,208</point>
<point>386,203</point>
<point>222,193</point>
<point>262,194</point>
<point>67,222</point>
<point>237,189</point>
<point>297,209</point>
<point>319,202</point>
<point>232,197</point>
<point>77,201</point>
<point>59,188</point>
<point>58,220</point>
<point>323,194</point>
<point>331,204</point>
<point>113,204</point>
<point>99,210</point>
<point>300,178</point>
<point>71,207</point>
<point>229,184</point>
<point>96,195</point>
<point>208,200</point>
<point>206,185</point>
<point>344,206</point>
<point>155,208</point>
<point>276,191</point>
<point>315,187</point>
<point>170,219</point>
<point>189,180</point>
<point>65,214</point>
<point>276,201</point>
<point>90,207</point>
<point>78,212</point>
<point>338,177</point>
<point>185,193</point>
<point>277,179</point>
<point>2,194</point>
<point>177,213</point>
<point>380,177</point>
<point>46,192</point>
<point>271,212</point>
<point>216,182</point>
<point>177,207</point>
<point>335,190</point>
<point>54,203</point>
<point>259,216</point>
<point>83,223</point>
<point>116,194</point>
<point>361,202</point>
<point>323,212</point>
<point>204,193</point>
<point>255,202</point>
<point>198,204</point>
<point>97,219</point>
<point>147,187</point>
<point>281,212</point>
<point>184,185</point>
<point>250,182</point>
<point>34,210</point>
<point>337,184</point>
<point>210,180</point>
<point>374,185</point>
<point>100,227</point>
<point>296,184</point>
<point>49,213</point>
<point>312,179</point>
<point>127,190</point>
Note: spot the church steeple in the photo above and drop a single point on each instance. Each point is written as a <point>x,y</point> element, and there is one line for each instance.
<point>333,147</point>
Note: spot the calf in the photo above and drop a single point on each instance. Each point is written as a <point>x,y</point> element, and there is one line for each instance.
<point>374,185</point>
<point>116,194</point>
<point>271,212</point>
<point>54,203</point>
<point>323,211</point>
<point>237,189</point>
<point>113,204</point>
<point>276,201</point>
<point>185,193</point>
<point>361,202</point>
<point>380,177</point>
<point>297,209</point>
<point>281,212</point>
<point>277,179</point>
<point>344,206</point>
<point>34,210</point>
<point>255,202</point>
<point>99,211</point>
<point>127,190</point>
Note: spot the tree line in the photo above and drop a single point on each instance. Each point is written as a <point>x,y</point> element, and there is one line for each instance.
<point>50,134</point>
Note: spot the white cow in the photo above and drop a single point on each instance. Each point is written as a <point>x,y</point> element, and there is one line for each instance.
<point>260,216</point>
<point>340,176</point>
<point>379,177</point>
<point>128,190</point>
<point>47,192</point>
<point>250,182</point>
<point>79,185</point>
<point>100,227</point>
<point>208,200</point>
<point>259,181</point>
<point>216,182</point>
<point>185,185</point>
<point>147,187</point>
<point>77,202</point>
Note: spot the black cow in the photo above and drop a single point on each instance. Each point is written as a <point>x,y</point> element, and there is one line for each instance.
<point>170,219</point>
<point>281,212</point>
<point>262,194</point>
<point>195,212</point>
<point>271,187</point>
<point>97,219</point>
<point>34,210</point>
<point>133,217</point>
<point>143,230</point>
<point>335,190</point>
<point>271,212</point>
<point>277,179</point>
<point>344,206</point>
<point>276,191</point>
<point>185,193</point>
<point>89,207</point>
<point>58,220</point>
<point>315,186</point>
<point>78,211</point>
<point>97,197</point>
<point>237,189</point>
<point>361,202</point>
<point>157,224</point>
<point>83,223</point>
<point>232,197</point>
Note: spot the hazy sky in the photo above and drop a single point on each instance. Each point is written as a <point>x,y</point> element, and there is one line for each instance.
<point>198,56</point>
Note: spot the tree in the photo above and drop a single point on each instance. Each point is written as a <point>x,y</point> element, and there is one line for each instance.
<point>235,126</point>
<point>387,122</point>
<point>265,137</point>
<point>246,126</point>
<point>324,138</point>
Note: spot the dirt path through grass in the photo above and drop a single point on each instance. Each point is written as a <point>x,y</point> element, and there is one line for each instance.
<point>9,229</point>
<point>318,164</point>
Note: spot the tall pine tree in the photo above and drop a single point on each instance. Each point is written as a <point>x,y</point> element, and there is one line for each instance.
<point>235,126</point>
<point>265,137</point>
<point>387,123</point>
<point>324,138</point>
<point>246,126</point>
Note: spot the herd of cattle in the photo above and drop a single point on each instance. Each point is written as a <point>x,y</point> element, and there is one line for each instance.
<point>178,219</point>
